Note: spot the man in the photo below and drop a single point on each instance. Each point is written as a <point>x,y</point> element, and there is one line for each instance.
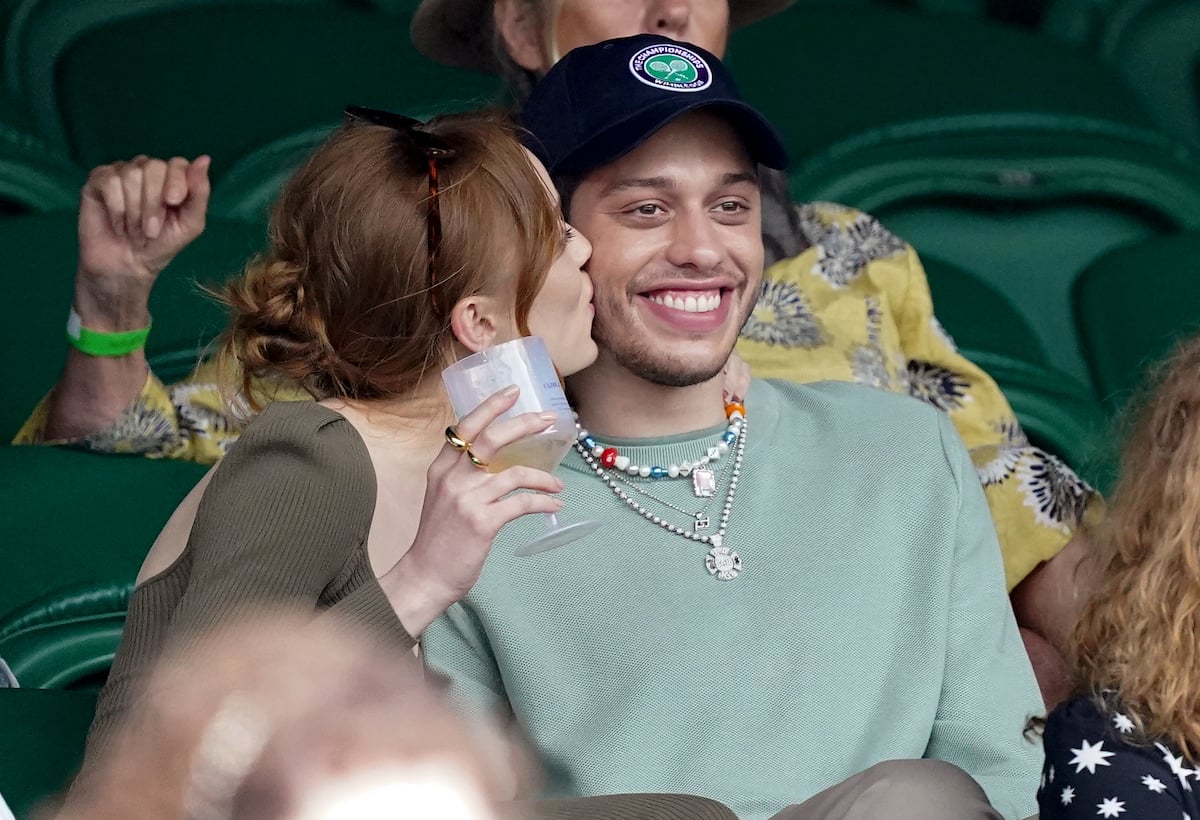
<point>796,606</point>
<point>844,299</point>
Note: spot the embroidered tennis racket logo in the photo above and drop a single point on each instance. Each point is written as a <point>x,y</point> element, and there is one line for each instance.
<point>670,67</point>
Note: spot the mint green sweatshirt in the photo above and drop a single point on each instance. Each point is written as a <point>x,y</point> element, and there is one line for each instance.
<point>869,621</point>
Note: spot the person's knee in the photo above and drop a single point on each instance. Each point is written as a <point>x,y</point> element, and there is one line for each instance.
<point>930,789</point>
<point>621,807</point>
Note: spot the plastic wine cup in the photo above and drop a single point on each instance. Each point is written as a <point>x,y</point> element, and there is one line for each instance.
<point>526,363</point>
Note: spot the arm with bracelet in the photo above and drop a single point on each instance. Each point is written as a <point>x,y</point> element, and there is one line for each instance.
<point>134,218</point>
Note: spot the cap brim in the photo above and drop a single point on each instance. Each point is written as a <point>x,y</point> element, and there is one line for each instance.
<point>459,33</point>
<point>760,138</point>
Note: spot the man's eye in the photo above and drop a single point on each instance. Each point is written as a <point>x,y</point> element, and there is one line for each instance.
<point>732,207</point>
<point>649,209</point>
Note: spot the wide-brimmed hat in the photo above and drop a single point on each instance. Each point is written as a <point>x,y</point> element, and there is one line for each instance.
<point>459,33</point>
<point>600,102</point>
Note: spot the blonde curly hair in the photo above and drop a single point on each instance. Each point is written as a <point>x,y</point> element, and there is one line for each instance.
<point>1139,634</point>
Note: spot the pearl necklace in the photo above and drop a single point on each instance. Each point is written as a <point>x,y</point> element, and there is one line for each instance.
<point>700,519</point>
<point>704,483</point>
<point>721,562</point>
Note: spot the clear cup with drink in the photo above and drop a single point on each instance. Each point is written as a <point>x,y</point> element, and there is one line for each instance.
<point>526,363</point>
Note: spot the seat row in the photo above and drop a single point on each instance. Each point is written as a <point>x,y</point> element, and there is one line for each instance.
<point>996,149</point>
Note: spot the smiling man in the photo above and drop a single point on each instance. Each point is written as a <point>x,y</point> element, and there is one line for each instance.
<point>796,606</point>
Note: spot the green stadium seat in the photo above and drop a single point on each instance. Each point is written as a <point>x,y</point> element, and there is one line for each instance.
<point>1132,305</point>
<point>978,315</point>
<point>249,187</point>
<point>1058,413</point>
<point>33,177</point>
<point>228,80</point>
<point>1075,21</point>
<point>825,73</point>
<point>1023,201</point>
<point>44,733</point>
<point>1155,46</point>
<point>75,529</point>
<point>39,31</point>
<point>999,150</point>
<point>39,252</point>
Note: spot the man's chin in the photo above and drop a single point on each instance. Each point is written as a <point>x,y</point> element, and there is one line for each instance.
<point>666,371</point>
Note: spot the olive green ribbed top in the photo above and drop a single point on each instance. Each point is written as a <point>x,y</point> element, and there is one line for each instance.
<point>284,521</point>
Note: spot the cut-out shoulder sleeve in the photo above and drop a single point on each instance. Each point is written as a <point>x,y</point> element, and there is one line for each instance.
<point>285,521</point>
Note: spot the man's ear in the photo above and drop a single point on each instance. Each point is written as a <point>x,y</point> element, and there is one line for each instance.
<point>479,322</point>
<point>520,31</point>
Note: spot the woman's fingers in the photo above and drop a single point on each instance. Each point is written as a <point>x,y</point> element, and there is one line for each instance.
<point>500,434</point>
<point>131,183</point>
<point>104,186</point>
<point>154,209</point>
<point>488,411</point>
<point>515,506</point>
<point>522,478</point>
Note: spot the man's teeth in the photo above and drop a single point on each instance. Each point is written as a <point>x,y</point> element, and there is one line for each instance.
<point>689,304</point>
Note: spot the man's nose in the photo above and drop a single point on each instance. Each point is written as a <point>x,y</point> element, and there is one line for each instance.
<point>695,242</point>
<point>670,17</point>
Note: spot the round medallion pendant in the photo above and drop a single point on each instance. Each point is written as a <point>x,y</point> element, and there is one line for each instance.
<point>723,563</point>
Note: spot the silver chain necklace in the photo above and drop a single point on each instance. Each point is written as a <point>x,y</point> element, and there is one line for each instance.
<point>700,519</point>
<point>721,562</point>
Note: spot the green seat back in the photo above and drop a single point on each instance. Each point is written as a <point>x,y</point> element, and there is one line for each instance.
<point>825,73</point>
<point>44,733</point>
<point>33,177</point>
<point>1154,45</point>
<point>1022,201</point>
<point>1058,413</point>
<point>1132,305</point>
<point>1076,21</point>
<point>978,315</point>
<point>248,188</point>
<point>74,529</point>
<point>39,254</point>
<point>228,80</point>
<point>41,30</point>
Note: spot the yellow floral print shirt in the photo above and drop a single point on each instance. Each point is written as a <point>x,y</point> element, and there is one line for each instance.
<point>853,306</point>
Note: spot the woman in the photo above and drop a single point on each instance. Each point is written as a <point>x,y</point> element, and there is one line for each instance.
<point>1128,743</point>
<point>382,268</point>
<point>397,248</point>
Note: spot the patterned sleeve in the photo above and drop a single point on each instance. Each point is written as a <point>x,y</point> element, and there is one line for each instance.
<point>189,421</point>
<point>854,305</point>
<point>1037,501</point>
<point>1090,771</point>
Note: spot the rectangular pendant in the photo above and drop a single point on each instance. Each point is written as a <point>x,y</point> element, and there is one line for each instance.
<point>702,522</point>
<point>704,482</point>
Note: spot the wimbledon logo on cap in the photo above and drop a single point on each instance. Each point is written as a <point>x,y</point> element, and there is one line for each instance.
<point>671,67</point>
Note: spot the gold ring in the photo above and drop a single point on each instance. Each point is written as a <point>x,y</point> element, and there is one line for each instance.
<point>456,441</point>
<point>475,459</point>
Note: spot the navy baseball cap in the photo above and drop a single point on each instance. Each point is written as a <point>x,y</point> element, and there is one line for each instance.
<point>599,102</point>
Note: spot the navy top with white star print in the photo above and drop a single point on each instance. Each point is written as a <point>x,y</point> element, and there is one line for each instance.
<point>1093,770</point>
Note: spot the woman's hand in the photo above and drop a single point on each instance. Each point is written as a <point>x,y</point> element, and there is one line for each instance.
<point>134,218</point>
<point>465,507</point>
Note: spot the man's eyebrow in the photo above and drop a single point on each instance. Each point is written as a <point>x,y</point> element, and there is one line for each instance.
<point>666,183</point>
<point>657,183</point>
<point>741,176</point>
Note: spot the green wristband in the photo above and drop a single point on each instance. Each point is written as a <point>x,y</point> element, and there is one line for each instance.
<point>96,343</point>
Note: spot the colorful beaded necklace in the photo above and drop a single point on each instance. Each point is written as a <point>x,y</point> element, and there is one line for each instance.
<point>704,482</point>
<point>722,563</point>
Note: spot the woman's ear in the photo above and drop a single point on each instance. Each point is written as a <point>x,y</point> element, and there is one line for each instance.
<point>520,31</point>
<point>479,321</point>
